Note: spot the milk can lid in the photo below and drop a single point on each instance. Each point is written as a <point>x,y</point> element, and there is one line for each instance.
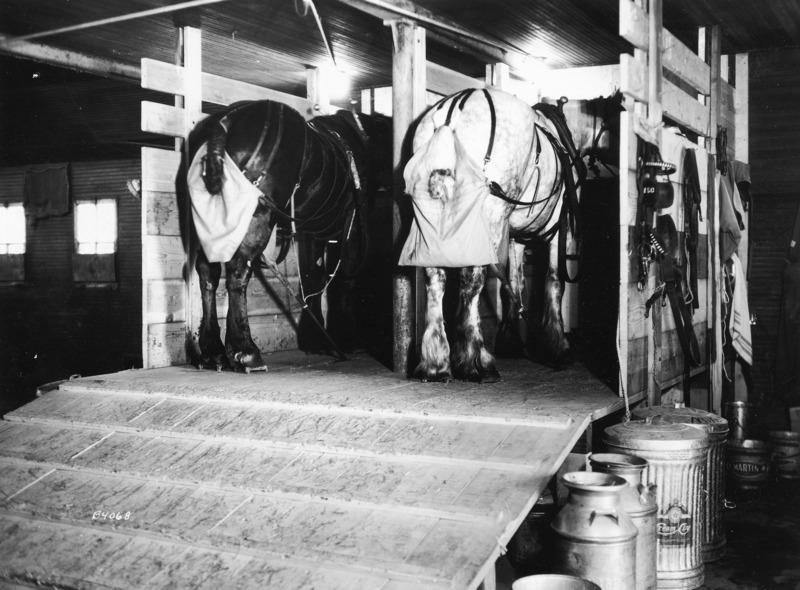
<point>707,421</point>
<point>656,436</point>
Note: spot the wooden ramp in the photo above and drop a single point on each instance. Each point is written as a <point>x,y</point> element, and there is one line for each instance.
<point>318,474</point>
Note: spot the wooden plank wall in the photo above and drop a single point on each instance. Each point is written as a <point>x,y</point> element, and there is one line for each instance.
<point>643,365</point>
<point>170,296</point>
<point>774,143</point>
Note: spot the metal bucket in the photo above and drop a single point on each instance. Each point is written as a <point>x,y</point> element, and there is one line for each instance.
<point>717,429</point>
<point>676,457</point>
<point>553,582</point>
<point>786,453</point>
<point>593,537</point>
<point>741,419</point>
<point>749,464</point>
<point>639,501</point>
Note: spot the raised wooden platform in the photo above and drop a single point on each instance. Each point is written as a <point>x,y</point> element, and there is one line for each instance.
<point>316,474</point>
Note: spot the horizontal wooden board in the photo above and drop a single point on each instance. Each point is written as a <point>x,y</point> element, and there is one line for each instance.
<point>445,81</point>
<point>685,109</point>
<point>159,169</point>
<point>164,77</point>
<point>676,57</point>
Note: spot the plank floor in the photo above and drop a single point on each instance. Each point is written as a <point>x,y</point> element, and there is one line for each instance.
<point>316,474</point>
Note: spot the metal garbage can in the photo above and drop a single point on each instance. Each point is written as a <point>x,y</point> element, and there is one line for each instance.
<point>717,429</point>
<point>676,464</point>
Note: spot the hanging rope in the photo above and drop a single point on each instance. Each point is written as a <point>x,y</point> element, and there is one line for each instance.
<point>310,3</point>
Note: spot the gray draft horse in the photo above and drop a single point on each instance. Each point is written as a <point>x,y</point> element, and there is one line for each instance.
<point>528,158</point>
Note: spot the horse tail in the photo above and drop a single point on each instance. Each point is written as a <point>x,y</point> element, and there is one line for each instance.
<point>214,174</point>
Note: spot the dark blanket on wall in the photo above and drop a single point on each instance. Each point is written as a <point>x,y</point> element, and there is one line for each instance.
<point>47,192</point>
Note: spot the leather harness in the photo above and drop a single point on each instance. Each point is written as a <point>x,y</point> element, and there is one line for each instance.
<point>567,155</point>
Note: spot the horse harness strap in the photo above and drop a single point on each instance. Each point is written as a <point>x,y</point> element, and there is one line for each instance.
<point>661,243</point>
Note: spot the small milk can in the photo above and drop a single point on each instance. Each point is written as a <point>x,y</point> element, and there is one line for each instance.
<point>594,537</point>
<point>639,501</point>
<point>717,429</point>
<point>676,464</point>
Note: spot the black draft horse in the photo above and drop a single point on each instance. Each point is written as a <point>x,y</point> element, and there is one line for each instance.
<point>314,180</point>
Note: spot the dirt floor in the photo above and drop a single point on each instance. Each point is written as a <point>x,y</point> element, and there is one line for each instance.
<point>763,543</point>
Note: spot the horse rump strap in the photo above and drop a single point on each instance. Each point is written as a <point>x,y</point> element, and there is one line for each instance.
<point>221,220</point>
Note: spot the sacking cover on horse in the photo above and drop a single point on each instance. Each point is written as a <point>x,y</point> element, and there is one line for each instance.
<point>447,188</point>
<point>221,220</point>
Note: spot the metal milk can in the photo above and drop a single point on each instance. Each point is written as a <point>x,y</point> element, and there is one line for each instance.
<point>717,429</point>
<point>639,501</point>
<point>594,538</point>
<point>676,463</point>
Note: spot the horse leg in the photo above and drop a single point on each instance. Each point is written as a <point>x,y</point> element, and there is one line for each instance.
<point>509,336</point>
<point>212,352</point>
<point>471,360</point>
<point>241,350</point>
<point>552,320</point>
<point>435,350</point>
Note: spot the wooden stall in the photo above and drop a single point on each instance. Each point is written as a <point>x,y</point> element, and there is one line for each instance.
<point>170,299</point>
<point>678,101</point>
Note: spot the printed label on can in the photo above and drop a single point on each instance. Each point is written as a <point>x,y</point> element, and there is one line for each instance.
<point>746,469</point>
<point>675,526</point>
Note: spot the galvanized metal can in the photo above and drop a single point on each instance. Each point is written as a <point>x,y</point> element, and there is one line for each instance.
<point>639,501</point>
<point>749,464</point>
<point>553,582</point>
<point>676,464</point>
<point>786,453</point>
<point>717,429</point>
<point>741,418</point>
<point>594,538</point>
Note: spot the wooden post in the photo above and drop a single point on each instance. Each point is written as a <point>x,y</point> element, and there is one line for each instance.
<point>655,112</point>
<point>741,102</point>
<point>714,267</point>
<point>192,112</point>
<point>408,102</point>
<point>317,92</point>
<point>655,117</point>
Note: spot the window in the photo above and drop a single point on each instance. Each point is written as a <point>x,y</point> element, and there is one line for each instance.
<point>94,261</point>
<point>12,242</point>
<point>96,226</point>
<point>12,228</point>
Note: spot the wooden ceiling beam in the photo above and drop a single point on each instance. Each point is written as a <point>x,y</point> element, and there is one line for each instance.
<point>444,30</point>
<point>113,20</point>
<point>74,60</point>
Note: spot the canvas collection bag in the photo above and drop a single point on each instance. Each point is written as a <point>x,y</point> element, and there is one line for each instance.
<point>221,220</point>
<point>449,228</point>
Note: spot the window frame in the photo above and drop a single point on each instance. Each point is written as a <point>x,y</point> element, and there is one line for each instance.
<point>93,268</point>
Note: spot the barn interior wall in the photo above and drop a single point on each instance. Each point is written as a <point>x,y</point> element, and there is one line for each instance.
<point>51,327</point>
<point>774,145</point>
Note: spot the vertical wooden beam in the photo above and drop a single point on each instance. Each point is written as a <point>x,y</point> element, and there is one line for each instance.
<point>715,270</point>
<point>408,102</point>
<point>655,118</point>
<point>317,91</point>
<point>192,113</point>
<point>655,112</point>
<point>498,75</point>
<point>741,105</point>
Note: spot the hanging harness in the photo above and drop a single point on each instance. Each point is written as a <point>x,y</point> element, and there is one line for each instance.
<point>660,243</point>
